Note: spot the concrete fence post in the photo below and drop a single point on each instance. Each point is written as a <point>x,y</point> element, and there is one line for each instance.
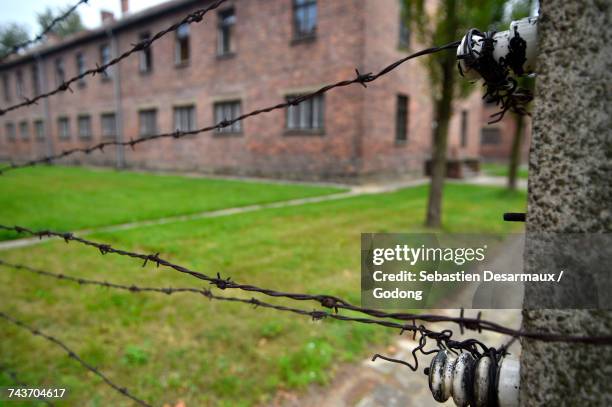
<point>570,191</point>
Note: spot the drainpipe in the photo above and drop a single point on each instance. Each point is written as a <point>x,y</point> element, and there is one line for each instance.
<point>117,97</point>
<point>42,79</point>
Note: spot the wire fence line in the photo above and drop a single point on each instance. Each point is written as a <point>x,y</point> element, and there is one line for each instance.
<point>360,78</point>
<point>73,355</point>
<point>327,301</point>
<point>193,17</point>
<point>46,30</point>
<point>443,339</point>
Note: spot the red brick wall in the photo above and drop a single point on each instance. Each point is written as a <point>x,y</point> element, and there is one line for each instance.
<point>359,136</point>
<point>507,127</point>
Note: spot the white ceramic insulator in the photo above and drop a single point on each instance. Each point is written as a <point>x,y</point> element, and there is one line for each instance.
<point>451,376</point>
<point>527,28</point>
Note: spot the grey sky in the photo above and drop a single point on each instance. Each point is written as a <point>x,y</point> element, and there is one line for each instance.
<point>24,11</point>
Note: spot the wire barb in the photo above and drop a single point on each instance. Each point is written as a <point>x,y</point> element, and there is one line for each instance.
<point>339,303</point>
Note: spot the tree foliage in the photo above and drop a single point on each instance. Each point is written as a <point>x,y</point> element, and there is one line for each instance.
<point>12,34</point>
<point>68,26</point>
<point>431,27</point>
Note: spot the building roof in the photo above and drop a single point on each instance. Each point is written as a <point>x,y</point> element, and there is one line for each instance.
<point>104,30</point>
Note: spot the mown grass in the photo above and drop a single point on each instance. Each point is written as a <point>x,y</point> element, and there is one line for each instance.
<point>76,198</point>
<point>501,170</point>
<point>185,347</point>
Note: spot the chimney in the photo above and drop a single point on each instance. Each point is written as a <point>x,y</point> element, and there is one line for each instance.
<point>125,7</point>
<point>107,17</point>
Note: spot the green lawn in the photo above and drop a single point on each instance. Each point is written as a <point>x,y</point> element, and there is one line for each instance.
<point>75,198</point>
<point>184,347</point>
<point>501,170</point>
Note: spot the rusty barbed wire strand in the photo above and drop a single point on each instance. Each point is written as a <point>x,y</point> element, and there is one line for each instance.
<point>327,301</point>
<point>15,378</point>
<point>443,339</point>
<point>17,47</point>
<point>73,355</point>
<point>360,78</point>
<point>193,17</point>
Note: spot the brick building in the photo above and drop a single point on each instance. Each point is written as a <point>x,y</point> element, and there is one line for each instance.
<point>496,139</point>
<point>243,56</point>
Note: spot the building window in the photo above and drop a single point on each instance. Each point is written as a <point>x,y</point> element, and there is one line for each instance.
<point>109,125</point>
<point>184,118</point>
<point>10,131</point>
<point>228,111</point>
<point>39,130</point>
<point>19,84</point>
<point>404,28</point>
<point>146,55</point>
<point>182,45</point>
<point>60,73</point>
<point>24,130</point>
<point>147,122</point>
<point>80,67</point>
<point>105,57</point>
<point>6,88</point>
<point>225,32</point>
<point>35,79</point>
<point>490,136</point>
<point>401,118</point>
<point>63,128</point>
<point>304,18</point>
<point>464,128</point>
<point>84,123</point>
<point>308,115</point>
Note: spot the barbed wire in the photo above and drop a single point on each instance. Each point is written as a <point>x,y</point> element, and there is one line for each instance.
<point>15,378</point>
<point>193,17</point>
<point>327,301</point>
<point>443,339</point>
<point>73,355</point>
<point>360,78</point>
<point>17,47</point>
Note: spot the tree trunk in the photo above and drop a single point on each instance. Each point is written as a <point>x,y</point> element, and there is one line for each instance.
<point>570,168</point>
<point>515,154</point>
<point>443,108</point>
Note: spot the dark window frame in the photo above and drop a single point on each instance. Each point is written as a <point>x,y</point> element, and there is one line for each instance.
<point>34,74</point>
<point>182,46</point>
<point>80,67</point>
<point>486,138</point>
<point>6,87</point>
<point>145,57</point>
<point>143,132</point>
<point>191,117</point>
<point>234,129</point>
<point>89,134</point>
<point>226,46</point>
<point>402,118</point>
<point>463,131</point>
<point>61,135</point>
<point>105,57</point>
<point>60,71</point>
<point>24,135</point>
<point>304,6</point>
<point>307,117</point>
<point>11,131</point>
<point>404,33</point>
<point>39,136</point>
<point>19,85</point>
<point>103,118</point>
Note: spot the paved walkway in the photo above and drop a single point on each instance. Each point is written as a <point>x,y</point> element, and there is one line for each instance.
<point>353,191</point>
<point>386,384</point>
